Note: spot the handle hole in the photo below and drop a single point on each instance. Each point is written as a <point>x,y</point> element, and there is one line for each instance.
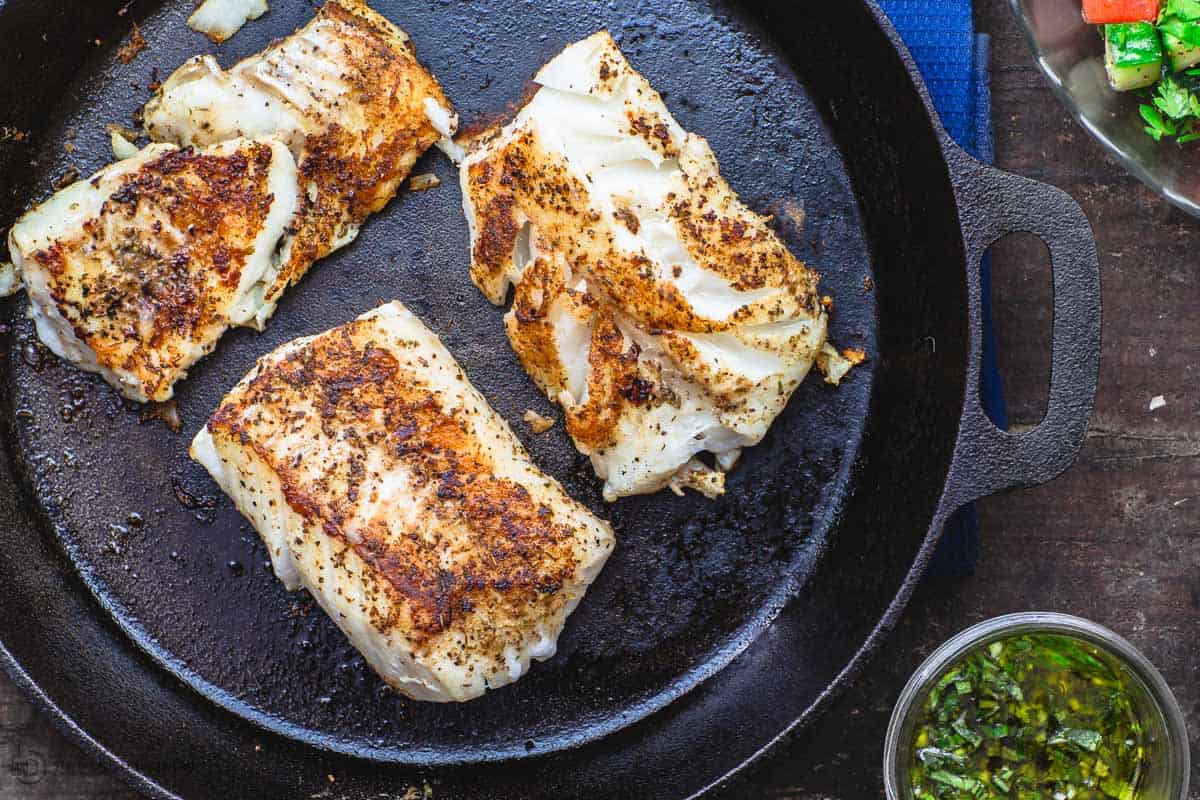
<point>1021,303</point>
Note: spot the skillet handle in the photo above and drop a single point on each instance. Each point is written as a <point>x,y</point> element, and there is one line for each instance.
<point>993,204</point>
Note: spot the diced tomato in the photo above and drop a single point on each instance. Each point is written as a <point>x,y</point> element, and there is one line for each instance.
<point>1101,12</point>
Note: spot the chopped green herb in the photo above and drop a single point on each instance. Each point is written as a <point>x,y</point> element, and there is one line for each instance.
<point>933,757</point>
<point>1174,110</point>
<point>1157,127</point>
<point>956,781</point>
<point>1088,740</point>
<point>1029,718</point>
<point>1174,100</point>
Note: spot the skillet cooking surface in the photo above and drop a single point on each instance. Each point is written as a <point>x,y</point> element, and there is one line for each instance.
<point>692,582</point>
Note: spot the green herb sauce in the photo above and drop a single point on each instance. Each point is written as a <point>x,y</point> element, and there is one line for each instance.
<point>1033,717</point>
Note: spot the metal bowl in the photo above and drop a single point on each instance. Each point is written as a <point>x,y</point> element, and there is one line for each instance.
<point>1154,703</point>
<point>1071,54</point>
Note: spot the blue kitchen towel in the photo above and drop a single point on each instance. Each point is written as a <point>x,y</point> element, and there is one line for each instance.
<point>941,36</point>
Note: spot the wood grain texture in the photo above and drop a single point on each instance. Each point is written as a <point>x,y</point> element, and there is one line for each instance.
<point>1116,539</point>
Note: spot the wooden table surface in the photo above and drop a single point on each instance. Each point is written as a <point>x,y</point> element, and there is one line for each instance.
<point>1116,539</point>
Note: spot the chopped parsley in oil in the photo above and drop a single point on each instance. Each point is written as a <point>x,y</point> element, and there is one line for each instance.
<point>1033,717</point>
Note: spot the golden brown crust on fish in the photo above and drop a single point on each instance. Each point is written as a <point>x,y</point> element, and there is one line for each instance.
<point>522,182</point>
<point>349,97</point>
<point>419,522</point>
<point>153,275</point>
<point>516,556</point>
<point>357,169</point>
<point>662,313</point>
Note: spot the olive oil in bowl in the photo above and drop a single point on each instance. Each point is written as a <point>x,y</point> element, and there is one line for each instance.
<point>1036,707</point>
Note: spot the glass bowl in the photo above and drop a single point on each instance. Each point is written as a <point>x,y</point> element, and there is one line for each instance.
<point>1155,705</point>
<point>1071,54</point>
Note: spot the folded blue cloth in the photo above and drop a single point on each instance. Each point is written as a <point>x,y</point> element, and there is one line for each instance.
<point>954,61</point>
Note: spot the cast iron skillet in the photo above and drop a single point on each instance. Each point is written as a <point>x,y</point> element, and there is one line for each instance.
<point>140,612</point>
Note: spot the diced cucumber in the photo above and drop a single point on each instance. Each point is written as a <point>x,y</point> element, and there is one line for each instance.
<point>1180,54</point>
<point>1133,55</point>
<point>1181,37</point>
<point>1126,79</point>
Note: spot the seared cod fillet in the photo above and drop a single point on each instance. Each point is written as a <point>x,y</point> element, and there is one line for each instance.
<point>349,97</point>
<point>665,317</point>
<point>382,482</point>
<point>136,272</point>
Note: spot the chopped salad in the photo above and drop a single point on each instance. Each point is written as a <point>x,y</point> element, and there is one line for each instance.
<point>1153,46</point>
